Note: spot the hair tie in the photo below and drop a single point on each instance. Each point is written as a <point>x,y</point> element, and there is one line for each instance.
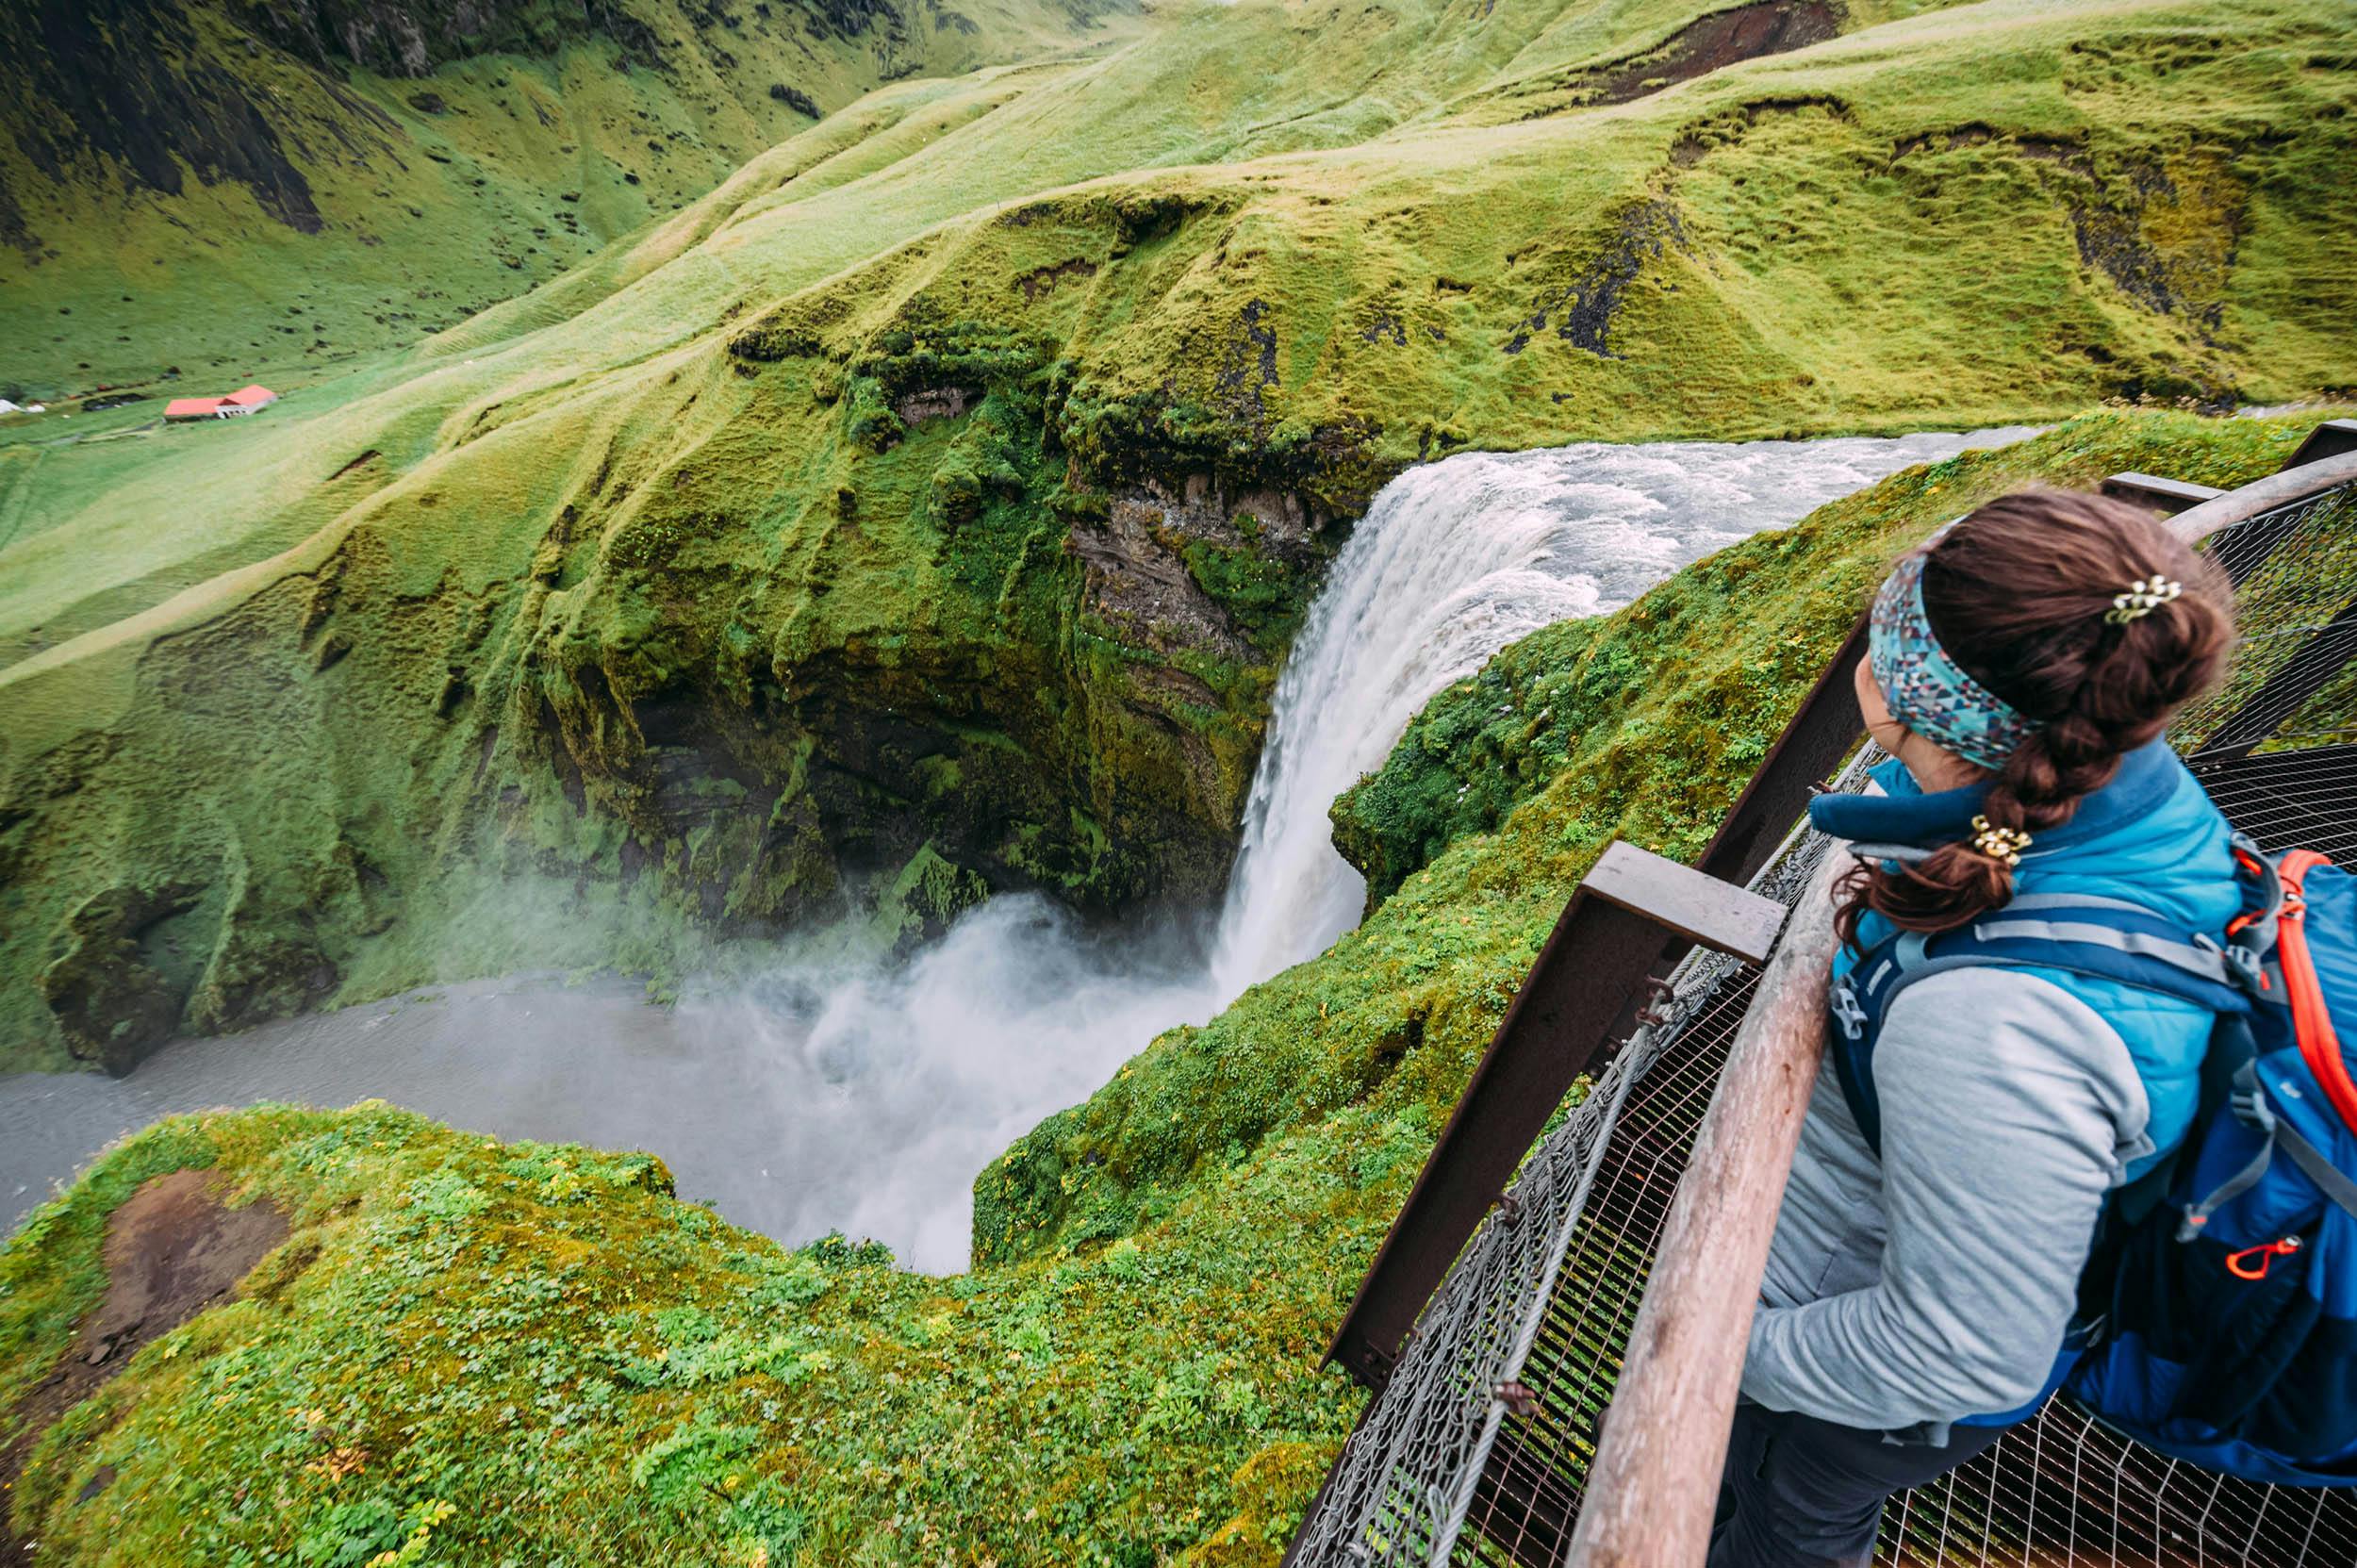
<point>2004,844</point>
<point>2143,596</point>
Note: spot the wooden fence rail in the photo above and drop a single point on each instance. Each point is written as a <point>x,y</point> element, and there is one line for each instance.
<point>1655,1482</point>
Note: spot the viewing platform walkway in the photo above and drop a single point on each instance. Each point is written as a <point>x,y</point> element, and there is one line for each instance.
<point>1533,1284</point>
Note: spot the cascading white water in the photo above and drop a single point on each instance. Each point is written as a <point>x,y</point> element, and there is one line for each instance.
<point>865,1098</point>
<point>1454,561</point>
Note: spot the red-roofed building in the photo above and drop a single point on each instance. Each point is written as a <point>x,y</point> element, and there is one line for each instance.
<point>245,399</point>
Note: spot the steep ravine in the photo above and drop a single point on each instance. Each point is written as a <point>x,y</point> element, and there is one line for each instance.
<point>897,1081</point>
<point>925,512</point>
<point>1049,685</point>
<point>536,1351</point>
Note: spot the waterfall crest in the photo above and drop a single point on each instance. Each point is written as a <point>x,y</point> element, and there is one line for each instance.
<point>1454,561</point>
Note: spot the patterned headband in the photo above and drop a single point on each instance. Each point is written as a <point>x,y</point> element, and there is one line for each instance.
<point>1927,690</point>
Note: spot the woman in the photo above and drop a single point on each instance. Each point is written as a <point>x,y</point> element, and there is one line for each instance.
<point>2022,668</point>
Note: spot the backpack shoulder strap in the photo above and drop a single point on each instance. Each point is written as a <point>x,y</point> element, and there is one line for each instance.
<point>2078,934</point>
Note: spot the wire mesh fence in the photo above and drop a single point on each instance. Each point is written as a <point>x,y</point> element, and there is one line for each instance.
<point>2292,682</point>
<point>1477,1449</point>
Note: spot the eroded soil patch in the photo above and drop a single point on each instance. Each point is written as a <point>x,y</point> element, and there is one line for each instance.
<point>173,1249</point>
<point>1711,44</point>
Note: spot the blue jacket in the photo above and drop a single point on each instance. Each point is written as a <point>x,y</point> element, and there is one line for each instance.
<point>1903,1296</point>
<point>2150,836</point>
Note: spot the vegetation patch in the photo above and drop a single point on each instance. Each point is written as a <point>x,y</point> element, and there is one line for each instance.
<point>536,1351</point>
<point>673,589</point>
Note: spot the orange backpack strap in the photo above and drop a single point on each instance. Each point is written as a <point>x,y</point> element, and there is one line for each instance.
<point>2312,1020</point>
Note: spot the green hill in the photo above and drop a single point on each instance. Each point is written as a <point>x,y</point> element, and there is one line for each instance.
<point>474,1353</point>
<point>924,509</point>
<point>931,504</point>
<point>229,188</point>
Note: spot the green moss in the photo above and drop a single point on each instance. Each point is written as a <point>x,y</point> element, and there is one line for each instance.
<point>546,1339</point>
<point>926,895</point>
<point>487,608</point>
<point>1268,595</point>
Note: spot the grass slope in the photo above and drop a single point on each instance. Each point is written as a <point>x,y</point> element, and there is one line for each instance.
<point>944,486</point>
<point>224,191</point>
<point>529,1353</point>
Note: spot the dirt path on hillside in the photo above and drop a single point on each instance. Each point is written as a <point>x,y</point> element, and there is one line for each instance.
<point>172,1251</point>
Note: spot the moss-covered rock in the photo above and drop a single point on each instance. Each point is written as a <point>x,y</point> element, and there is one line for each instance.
<point>930,892</point>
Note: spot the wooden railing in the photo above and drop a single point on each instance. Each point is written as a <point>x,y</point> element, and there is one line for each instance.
<point>1654,1481</point>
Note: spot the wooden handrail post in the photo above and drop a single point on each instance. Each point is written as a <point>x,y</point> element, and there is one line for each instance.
<point>1654,1484</point>
<point>1630,905</point>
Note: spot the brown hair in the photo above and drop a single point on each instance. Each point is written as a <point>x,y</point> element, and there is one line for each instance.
<point>2016,593</point>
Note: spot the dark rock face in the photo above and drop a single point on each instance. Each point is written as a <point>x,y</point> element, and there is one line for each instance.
<point>409,38</point>
<point>935,403</point>
<point>109,985</point>
<point>795,99</point>
<point>1712,42</point>
<point>1583,309</point>
<point>1138,575</point>
<point>128,82</point>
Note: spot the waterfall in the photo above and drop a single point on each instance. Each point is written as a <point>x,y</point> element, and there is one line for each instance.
<point>1454,561</point>
<point>865,1096</point>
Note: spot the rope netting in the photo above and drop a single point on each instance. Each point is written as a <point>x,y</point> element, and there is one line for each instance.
<point>1477,1449</point>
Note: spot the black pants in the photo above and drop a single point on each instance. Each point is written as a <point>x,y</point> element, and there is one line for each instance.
<point>1799,1492</point>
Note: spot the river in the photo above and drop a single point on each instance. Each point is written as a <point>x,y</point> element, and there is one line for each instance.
<point>865,1100</point>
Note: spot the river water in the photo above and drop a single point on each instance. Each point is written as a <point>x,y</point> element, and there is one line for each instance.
<point>865,1099</point>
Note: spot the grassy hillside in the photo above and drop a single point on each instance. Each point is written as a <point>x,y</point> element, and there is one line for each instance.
<point>527,1353</point>
<point>944,487</point>
<point>233,189</point>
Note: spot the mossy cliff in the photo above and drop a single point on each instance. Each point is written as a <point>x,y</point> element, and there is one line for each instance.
<point>947,484</point>
<point>521,1352</point>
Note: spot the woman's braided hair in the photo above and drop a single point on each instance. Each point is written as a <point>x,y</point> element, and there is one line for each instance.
<point>2018,594</point>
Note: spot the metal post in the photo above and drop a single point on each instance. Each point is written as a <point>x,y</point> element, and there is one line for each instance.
<point>2166,496</point>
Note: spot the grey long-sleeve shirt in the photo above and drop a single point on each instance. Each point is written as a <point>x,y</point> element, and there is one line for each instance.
<point>1936,1282</point>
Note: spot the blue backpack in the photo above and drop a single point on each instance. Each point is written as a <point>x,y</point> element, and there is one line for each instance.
<point>2219,1310</point>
